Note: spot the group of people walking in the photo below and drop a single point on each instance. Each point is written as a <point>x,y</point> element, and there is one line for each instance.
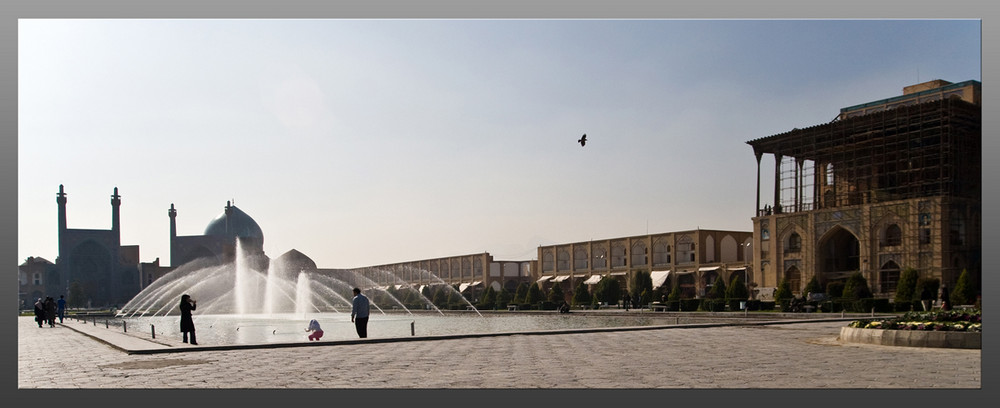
<point>360,307</point>
<point>47,310</point>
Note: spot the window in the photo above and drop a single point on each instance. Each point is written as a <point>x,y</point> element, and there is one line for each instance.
<point>893,236</point>
<point>36,278</point>
<point>794,243</point>
<point>925,236</point>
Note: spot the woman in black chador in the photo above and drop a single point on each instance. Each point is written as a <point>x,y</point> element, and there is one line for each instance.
<point>187,325</point>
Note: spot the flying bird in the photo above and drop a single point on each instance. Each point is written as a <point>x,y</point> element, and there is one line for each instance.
<point>583,140</point>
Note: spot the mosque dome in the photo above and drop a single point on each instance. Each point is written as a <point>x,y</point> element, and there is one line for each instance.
<point>233,222</point>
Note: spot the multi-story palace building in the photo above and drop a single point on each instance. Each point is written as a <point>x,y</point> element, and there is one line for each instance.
<point>887,185</point>
<point>689,259</point>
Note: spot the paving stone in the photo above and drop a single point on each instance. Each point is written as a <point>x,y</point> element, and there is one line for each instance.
<point>801,355</point>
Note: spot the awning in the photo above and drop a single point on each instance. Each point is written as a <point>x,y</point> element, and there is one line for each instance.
<point>421,289</point>
<point>683,272</point>
<point>464,286</point>
<point>618,273</point>
<point>709,268</point>
<point>659,278</point>
<point>543,279</point>
<point>593,279</point>
<point>398,287</point>
<point>735,269</point>
<point>560,278</point>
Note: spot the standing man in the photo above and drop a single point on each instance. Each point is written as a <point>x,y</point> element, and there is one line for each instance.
<point>61,307</point>
<point>359,313</point>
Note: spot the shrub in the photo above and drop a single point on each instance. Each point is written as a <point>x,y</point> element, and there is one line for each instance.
<point>675,294</point>
<point>689,305</point>
<point>907,286</point>
<point>581,296</point>
<point>718,290</point>
<point>857,287</point>
<point>534,294</point>
<point>927,288</point>
<point>835,289</point>
<point>813,286</point>
<point>489,299</point>
<point>520,293</point>
<point>964,292</point>
<point>784,291</point>
<point>556,294</point>
<point>737,289</point>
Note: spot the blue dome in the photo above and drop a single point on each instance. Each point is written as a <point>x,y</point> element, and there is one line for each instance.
<point>233,222</point>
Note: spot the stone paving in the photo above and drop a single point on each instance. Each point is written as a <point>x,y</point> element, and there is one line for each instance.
<point>786,356</point>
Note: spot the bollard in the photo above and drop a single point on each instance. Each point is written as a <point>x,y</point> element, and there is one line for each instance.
<point>412,331</point>
<point>124,328</point>
<point>106,323</point>
<point>152,329</point>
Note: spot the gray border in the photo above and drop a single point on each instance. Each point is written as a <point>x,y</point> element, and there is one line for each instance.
<point>15,9</point>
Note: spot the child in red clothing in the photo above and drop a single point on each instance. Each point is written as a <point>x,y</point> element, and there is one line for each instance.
<point>317,332</point>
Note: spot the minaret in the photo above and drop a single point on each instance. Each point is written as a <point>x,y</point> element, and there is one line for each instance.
<point>229,211</point>
<point>61,199</point>
<point>173,233</point>
<point>116,202</point>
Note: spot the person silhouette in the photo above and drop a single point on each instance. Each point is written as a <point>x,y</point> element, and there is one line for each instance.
<point>187,324</point>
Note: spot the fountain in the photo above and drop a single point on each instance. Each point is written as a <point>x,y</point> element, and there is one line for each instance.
<point>238,288</point>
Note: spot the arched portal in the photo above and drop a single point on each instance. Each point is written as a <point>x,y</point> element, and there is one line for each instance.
<point>888,277</point>
<point>91,266</point>
<point>794,277</point>
<point>837,255</point>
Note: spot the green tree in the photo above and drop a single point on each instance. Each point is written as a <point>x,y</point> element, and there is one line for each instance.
<point>784,291</point>
<point>503,298</point>
<point>489,298</point>
<point>964,292</point>
<point>906,288</point>
<point>441,297</point>
<point>737,289</point>
<point>856,287</point>
<point>813,286</point>
<point>718,290</point>
<point>835,289</point>
<point>520,293</point>
<point>645,297</point>
<point>76,298</point>
<point>556,294</point>
<point>581,296</point>
<point>608,290</point>
<point>675,294</point>
<point>534,294</point>
<point>641,281</point>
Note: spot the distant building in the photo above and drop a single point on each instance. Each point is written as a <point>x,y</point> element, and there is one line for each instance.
<point>888,185</point>
<point>692,260</point>
<point>33,276</point>
<point>218,243</point>
<point>472,273</point>
<point>106,271</point>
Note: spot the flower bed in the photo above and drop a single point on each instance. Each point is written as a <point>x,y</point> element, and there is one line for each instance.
<point>951,320</point>
<point>953,329</point>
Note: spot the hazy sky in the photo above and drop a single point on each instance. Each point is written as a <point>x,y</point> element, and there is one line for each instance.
<point>363,142</point>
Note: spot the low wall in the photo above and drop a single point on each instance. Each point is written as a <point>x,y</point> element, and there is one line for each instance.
<point>913,338</point>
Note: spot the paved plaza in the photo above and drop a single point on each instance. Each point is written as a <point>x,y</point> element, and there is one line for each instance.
<point>78,355</point>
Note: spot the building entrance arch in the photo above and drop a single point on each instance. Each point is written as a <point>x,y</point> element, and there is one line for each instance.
<point>837,255</point>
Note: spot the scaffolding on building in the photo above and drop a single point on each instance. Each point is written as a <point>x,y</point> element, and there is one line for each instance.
<point>924,150</point>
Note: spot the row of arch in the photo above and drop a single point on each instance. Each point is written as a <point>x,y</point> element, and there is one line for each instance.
<point>619,254</point>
